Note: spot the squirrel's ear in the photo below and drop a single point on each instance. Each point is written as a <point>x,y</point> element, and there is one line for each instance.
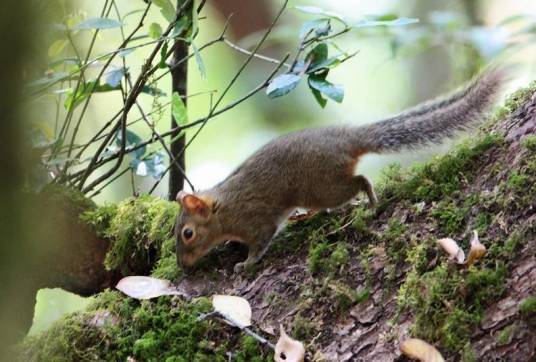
<point>193,204</point>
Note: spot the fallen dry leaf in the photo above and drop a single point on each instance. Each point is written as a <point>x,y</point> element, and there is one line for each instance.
<point>236,309</point>
<point>477,251</point>
<point>452,248</point>
<point>288,349</point>
<point>141,287</point>
<point>420,350</point>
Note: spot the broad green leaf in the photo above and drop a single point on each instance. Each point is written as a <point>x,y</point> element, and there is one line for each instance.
<point>325,64</point>
<point>155,31</point>
<point>318,54</point>
<point>57,47</point>
<point>98,23</point>
<point>394,22</point>
<point>166,8</point>
<point>282,84</point>
<point>330,90</point>
<point>178,109</point>
<point>200,63</point>
<point>318,11</point>
<point>319,98</point>
<point>320,27</point>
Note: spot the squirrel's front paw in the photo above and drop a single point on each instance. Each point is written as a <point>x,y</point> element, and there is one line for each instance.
<point>239,267</point>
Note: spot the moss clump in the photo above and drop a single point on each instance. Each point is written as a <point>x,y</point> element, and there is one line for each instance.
<point>447,303</point>
<point>326,258</point>
<point>439,178</point>
<point>528,306</point>
<point>141,231</point>
<point>514,101</point>
<point>115,328</point>
<point>529,142</point>
<point>395,243</point>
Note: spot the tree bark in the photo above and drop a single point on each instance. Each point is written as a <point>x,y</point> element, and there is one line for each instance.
<point>179,84</point>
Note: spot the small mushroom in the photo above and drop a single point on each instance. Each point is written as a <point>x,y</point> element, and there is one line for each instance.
<point>288,349</point>
<point>452,248</point>
<point>420,350</point>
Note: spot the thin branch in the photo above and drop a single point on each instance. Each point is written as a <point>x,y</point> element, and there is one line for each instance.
<point>259,56</point>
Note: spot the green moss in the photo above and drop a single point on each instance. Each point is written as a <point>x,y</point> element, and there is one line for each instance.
<point>140,230</point>
<point>468,354</point>
<point>450,216</point>
<point>438,178</point>
<point>529,142</point>
<point>395,242</point>
<point>361,218</point>
<point>115,328</point>
<point>528,306</point>
<point>505,335</point>
<point>514,101</point>
<point>69,197</point>
<point>303,329</point>
<point>325,258</point>
<point>447,303</point>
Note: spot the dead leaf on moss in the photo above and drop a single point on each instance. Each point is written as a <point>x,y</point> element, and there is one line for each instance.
<point>142,287</point>
<point>420,350</point>
<point>477,251</point>
<point>452,248</point>
<point>288,349</point>
<point>236,309</point>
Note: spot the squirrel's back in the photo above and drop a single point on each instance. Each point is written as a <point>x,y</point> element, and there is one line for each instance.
<point>300,164</point>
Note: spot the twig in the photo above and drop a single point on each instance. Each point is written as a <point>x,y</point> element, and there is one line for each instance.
<point>259,56</point>
<point>232,322</point>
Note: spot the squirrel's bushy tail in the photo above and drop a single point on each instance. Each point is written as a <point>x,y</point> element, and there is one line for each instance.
<point>435,120</point>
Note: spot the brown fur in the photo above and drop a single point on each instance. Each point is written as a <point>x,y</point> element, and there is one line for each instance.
<point>314,168</point>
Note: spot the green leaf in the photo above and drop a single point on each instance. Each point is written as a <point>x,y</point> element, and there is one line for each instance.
<point>178,109</point>
<point>318,96</point>
<point>155,31</point>
<point>376,22</point>
<point>318,54</point>
<point>180,26</point>
<point>282,84</point>
<point>325,64</point>
<point>199,61</point>
<point>332,91</point>
<point>319,11</point>
<point>84,91</point>
<point>98,23</point>
<point>320,27</point>
<point>163,52</point>
<point>166,8</point>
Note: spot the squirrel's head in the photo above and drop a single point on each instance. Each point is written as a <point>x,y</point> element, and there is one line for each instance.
<point>197,228</point>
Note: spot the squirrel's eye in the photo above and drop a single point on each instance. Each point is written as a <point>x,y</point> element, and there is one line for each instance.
<point>187,233</point>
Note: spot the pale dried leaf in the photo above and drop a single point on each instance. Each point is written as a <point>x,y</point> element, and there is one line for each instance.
<point>420,350</point>
<point>477,251</point>
<point>142,287</point>
<point>288,349</point>
<point>452,248</point>
<point>236,309</point>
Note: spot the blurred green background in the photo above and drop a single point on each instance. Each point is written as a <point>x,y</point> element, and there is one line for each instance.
<point>394,69</point>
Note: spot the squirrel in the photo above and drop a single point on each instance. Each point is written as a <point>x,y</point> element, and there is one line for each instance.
<point>315,169</point>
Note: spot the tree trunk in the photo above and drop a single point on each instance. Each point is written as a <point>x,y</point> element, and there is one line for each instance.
<point>179,84</point>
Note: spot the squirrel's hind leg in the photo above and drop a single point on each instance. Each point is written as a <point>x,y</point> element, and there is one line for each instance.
<point>364,184</point>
